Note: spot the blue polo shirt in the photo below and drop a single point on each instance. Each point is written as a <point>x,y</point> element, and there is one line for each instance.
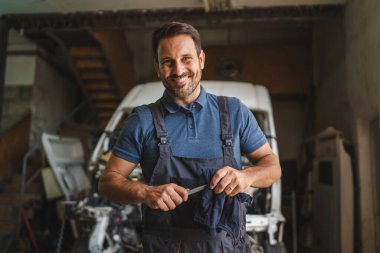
<point>193,132</point>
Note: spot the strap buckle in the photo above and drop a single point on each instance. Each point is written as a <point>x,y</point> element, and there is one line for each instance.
<point>163,138</point>
<point>228,142</point>
<point>163,141</point>
<point>227,138</point>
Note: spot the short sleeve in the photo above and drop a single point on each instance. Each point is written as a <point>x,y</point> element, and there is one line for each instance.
<point>130,143</point>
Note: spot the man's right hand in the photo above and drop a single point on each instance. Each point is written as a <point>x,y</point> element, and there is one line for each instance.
<point>114,185</point>
<point>165,197</point>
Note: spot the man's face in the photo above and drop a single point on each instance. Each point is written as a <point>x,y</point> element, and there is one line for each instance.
<point>180,68</point>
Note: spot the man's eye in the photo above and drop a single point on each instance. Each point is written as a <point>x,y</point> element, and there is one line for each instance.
<point>166,63</point>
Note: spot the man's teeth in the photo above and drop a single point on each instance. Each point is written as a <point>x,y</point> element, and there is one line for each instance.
<point>179,78</point>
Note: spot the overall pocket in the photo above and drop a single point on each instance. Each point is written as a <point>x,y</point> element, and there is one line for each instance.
<point>155,219</point>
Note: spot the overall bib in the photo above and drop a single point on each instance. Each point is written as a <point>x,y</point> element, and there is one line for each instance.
<point>176,231</point>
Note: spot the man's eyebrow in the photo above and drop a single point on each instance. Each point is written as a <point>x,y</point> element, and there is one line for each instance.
<point>165,58</point>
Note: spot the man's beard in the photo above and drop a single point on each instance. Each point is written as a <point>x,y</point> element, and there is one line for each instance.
<point>182,93</point>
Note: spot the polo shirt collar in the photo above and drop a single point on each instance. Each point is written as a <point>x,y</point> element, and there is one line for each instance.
<point>173,107</point>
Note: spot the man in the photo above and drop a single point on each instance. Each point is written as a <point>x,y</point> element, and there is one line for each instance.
<point>177,140</point>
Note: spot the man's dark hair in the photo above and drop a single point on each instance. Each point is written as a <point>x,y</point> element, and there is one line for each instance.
<point>175,28</point>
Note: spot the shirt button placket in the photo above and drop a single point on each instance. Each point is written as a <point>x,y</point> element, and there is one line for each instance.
<point>191,124</point>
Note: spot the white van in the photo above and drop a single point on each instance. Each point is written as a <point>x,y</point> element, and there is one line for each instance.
<point>265,223</point>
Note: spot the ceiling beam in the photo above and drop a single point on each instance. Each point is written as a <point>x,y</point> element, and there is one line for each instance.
<point>278,3</point>
<point>153,18</point>
<point>217,5</point>
<point>73,6</point>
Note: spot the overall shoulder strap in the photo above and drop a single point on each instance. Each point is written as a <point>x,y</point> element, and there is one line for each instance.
<point>225,123</point>
<point>227,137</point>
<point>158,119</point>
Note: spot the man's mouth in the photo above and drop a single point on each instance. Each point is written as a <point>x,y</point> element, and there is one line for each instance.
<point>180,81</point>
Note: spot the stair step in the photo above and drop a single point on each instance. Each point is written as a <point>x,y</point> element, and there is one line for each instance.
<point>95,75</point>
<point>9,218</point>
<point>90,64</point>
<point>104,96</point>
<point>4,233</point>
<point>104,115</point>
<point>86,51</point>
<point>10,225</point>
<point>99,86</point>
<point>103,123</point>
<point>8,211</point>
<point>102,90</point>
<point>106,105</point>
<point>108,111</point>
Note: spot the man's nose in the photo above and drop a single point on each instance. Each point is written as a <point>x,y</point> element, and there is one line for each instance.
<point>178,69</point>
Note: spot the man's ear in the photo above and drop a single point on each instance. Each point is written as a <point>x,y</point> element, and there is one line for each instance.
<point>157,68</point>
<point>202,59</point>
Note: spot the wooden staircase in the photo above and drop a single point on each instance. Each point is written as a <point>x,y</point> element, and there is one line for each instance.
<point>97,80</point>
<point>98,61</point>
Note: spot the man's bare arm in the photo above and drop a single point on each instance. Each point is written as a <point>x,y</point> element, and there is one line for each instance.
<point>263,174</point>
<point>114,185</point>
<point>267,167</point>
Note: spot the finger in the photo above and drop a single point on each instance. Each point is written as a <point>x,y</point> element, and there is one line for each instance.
<point>167,198</point>
<point>232,189</point>
<point>229,189</point>
<point>170,203</point>
<point>223,183</point>
<point>162,205</point>
<point>154,206</point>
<point>181,194</point>
<point>234,192</point>
<point>219,175</point>
<point>176,197</point>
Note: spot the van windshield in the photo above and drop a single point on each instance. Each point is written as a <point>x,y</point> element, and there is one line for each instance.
<point>262,120</point>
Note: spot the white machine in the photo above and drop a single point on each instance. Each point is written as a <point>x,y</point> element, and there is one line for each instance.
<point>256,97</point>
<point>332,197</point>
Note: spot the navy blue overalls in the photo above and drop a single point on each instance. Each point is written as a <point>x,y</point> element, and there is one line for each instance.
<point>176,231</point>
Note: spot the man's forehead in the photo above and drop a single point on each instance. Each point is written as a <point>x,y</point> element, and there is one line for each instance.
<point>180,41</point>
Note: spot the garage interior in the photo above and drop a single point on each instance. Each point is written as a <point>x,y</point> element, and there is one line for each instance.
<point>66,65</point>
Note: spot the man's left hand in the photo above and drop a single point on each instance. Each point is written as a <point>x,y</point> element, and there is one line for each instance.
<point>229,180</point>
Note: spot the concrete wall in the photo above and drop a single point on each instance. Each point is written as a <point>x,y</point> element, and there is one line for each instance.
<point>363,55</point>
<point>347,80</point>
<point>290,118</point>
<point>363,90</point>
<point>329,76</point>
<point>54,97</point>
<point>19,78</point>
<point>33,85</point>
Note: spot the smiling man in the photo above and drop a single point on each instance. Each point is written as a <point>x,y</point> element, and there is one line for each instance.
<point>186,139</point>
